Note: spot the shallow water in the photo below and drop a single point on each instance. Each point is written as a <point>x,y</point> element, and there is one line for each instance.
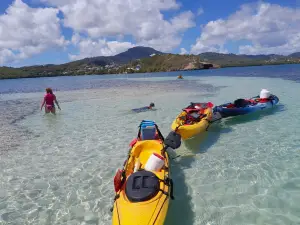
<point>59,169</point>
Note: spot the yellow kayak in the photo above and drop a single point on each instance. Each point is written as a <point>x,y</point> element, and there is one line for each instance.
<point>193,120</point>
<point>144,186</point>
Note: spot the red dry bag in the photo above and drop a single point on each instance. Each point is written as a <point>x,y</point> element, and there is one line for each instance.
<point>118,180</point>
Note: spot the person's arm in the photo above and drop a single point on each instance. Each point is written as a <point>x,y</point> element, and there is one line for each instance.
<point>57,103</point>
<point>43,103</point>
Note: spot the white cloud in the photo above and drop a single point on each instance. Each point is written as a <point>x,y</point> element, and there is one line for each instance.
<point>164,44</point>
<point>165,36</point>
<point>270,28</point>
<point>101,18</point>
<point>183,51</point>
<point>26,31</point>
<point>143,20</point>
<point>89,48</point>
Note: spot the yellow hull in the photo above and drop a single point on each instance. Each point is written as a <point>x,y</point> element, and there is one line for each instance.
<point>147,212</point>
<point>189,131</point>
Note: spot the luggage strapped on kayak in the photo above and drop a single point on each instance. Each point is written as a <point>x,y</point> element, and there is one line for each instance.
<point>121,173</point>
<point>189,110</point>
<point>257,98</point>
<point>150,123</point>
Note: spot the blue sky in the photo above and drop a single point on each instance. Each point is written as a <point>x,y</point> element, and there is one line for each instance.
<point>58,31</point>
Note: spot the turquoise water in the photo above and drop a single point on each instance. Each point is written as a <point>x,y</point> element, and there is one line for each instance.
<point>59,169</point>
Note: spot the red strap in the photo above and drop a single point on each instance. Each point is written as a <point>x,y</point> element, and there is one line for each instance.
<point>230,106</point>
<point>261,100</point>
<point>192,110</point>
<point>133,142</point>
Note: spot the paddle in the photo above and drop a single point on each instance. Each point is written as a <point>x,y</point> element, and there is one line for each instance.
<point>173,140</point>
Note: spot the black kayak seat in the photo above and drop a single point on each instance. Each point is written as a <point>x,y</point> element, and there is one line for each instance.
<point>241,103</point>
<point>142,186</point>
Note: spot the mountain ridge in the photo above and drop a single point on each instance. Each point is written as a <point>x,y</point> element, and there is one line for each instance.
<point>138,52</point>
<point>121,58</point>
<point>146,59</point>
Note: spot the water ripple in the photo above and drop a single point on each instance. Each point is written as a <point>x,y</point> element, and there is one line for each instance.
<point>242,171</point>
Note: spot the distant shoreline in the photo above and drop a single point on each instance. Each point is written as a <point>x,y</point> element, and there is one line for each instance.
<point>142,59</point>
<point>137,72</point>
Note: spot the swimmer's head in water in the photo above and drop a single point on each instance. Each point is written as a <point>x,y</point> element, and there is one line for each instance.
<point>49,90</point>
<point>152,104</point>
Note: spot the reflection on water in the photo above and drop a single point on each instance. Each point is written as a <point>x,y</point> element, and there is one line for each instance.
<point>181,208</point>
<point>204,141</point>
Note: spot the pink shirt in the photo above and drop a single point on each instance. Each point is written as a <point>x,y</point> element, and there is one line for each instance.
<point>49,99</point>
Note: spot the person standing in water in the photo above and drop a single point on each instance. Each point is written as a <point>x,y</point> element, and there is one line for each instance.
<point>49,100</point>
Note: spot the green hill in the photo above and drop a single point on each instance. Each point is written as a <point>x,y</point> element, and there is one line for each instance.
<point>145,59</point>
<point>168,62</point>
<point>121,58</point>
<point>229,60</point>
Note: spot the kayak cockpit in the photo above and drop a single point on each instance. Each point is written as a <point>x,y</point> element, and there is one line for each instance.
<point>142,186</point>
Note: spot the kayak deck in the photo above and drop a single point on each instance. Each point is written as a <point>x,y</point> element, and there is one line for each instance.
<point>150,211</point>
<point>189,130</point>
